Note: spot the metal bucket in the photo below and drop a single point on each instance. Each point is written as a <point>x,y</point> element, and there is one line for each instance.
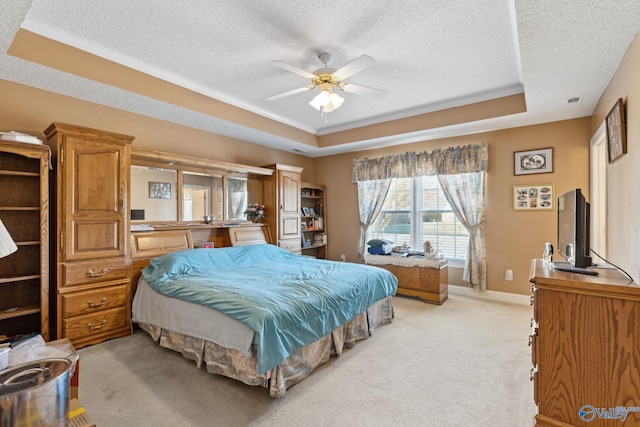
<point>36,393</point>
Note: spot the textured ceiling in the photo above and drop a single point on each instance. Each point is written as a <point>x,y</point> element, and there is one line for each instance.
<point>430,55</point>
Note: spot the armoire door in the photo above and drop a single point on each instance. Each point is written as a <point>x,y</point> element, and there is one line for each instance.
<point>96,182</point>
<point>289,205</point>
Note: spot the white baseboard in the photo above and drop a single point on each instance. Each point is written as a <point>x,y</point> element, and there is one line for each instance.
<point>490,295</point>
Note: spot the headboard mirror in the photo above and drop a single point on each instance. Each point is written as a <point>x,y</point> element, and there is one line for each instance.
<point>237,196</point>
<point>154,194</point>
<point>169,188</point>
<point>201,195</point>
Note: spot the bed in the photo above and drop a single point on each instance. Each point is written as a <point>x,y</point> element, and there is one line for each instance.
<point>260,314</point>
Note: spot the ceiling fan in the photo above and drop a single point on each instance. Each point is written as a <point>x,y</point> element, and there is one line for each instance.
<point>327,78</point>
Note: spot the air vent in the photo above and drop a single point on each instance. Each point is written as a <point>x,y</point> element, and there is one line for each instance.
<point>575,100</point>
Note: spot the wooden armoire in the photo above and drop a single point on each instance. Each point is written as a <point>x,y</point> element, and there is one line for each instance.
<point>90,229</point>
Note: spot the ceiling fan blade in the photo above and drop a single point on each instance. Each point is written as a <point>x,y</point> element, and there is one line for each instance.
<point>294,69</point>
<point>291,92</point>
<point>363,90</point>
<point>354,66</point>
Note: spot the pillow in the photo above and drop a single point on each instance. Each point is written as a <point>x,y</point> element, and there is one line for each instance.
<point>378,243</point>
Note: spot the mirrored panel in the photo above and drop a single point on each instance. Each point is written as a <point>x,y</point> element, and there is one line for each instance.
<point>201,195</point>
<point>153,194</point>
<point>236,198</point>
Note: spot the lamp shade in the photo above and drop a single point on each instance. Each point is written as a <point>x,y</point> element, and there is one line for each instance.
<point>326,101</point>
<point>7,245</point>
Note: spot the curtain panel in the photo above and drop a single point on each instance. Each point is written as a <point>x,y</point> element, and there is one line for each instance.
<point>450,161</point>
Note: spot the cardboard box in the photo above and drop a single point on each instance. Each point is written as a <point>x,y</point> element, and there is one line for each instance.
<point>78,416</point>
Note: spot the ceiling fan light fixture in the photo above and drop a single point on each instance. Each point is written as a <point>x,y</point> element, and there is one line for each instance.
<point>326,101</point>
<point>336,100</point>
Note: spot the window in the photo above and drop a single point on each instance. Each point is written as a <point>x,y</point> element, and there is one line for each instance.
<point>416,210</point>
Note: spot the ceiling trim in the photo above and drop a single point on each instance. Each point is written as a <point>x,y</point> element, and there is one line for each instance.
<point>41,50</point>
<point>66,38</point>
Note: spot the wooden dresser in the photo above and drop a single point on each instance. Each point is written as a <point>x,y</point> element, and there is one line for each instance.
<point>585,347</point>
<point>90,233</point>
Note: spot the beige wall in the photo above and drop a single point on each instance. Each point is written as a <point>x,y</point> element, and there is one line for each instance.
<point>32,110</point>
<point>623,176</point>
<point>513,237</point>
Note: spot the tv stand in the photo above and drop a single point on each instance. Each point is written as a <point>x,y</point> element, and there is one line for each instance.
<point>567,267</point>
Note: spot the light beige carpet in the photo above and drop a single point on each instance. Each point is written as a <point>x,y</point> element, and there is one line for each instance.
<point>465,363</point>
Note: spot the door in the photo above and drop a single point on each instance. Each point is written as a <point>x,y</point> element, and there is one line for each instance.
<point>289,205</point>
<point>95,188</point>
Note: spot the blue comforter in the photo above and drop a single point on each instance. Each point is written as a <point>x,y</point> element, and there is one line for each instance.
<point>287,299</point>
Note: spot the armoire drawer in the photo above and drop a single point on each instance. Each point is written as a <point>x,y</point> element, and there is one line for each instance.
<point>290,245</point>
<point>86,302</point>
<point>101,322</point>
<point>96,271</point>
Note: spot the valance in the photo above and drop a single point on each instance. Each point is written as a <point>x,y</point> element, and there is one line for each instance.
<point>441,161</point>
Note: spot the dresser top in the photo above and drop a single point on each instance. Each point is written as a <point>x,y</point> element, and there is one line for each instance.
<point>608,282</point>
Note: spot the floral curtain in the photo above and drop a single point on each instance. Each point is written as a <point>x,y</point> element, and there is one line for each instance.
<point>371,195</point>
<point>465,194</point>
<point>461,172</point>
<point>452,160</point>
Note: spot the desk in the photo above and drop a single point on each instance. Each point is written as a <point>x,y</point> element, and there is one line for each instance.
<point>426,279</point>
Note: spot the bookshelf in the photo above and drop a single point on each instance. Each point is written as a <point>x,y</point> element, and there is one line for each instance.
<point>24,275</point>
<point>313,220</point>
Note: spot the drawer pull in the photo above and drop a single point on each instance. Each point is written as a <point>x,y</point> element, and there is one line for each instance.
<point>90,303</point>
<point>94,328</point>
<point>92,273</point>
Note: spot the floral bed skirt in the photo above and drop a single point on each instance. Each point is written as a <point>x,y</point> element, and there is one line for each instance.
<point>299,365</point>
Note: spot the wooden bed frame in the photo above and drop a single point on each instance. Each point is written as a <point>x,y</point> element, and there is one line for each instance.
<point>232,363</point>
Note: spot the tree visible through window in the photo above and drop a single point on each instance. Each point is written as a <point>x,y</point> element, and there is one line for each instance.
<point>416,210</point>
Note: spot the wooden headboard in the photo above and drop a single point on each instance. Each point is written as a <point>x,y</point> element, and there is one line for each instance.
<point>242,236</point>
<point>150,244</point>
<point>146,245</point>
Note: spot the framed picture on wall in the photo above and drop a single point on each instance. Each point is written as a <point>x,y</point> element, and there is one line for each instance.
<point>533,161</point>
<point>616,133</point>
<point>159,190</point>
<point>533,197</point>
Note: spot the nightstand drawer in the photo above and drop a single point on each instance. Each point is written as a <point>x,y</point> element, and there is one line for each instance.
<point>78,303</point>
<point>99,323</point>
<point>87,272</point>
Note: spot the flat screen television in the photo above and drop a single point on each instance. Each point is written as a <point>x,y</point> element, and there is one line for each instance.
<point>573,228</point>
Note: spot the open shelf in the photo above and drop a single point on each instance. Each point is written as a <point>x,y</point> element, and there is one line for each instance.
<point>19,312</point>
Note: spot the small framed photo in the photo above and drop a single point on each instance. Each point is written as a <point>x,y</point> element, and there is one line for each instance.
<point>533,161</point>
<point>305,211</point>
<point>533,197</point>
<point>207,245</point>
<point>303,225</point>
<point>159,190</point>
<point>616,132</point>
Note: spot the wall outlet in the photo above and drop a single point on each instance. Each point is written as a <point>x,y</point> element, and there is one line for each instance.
<point>508,274</point>
<point>343,257</point>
